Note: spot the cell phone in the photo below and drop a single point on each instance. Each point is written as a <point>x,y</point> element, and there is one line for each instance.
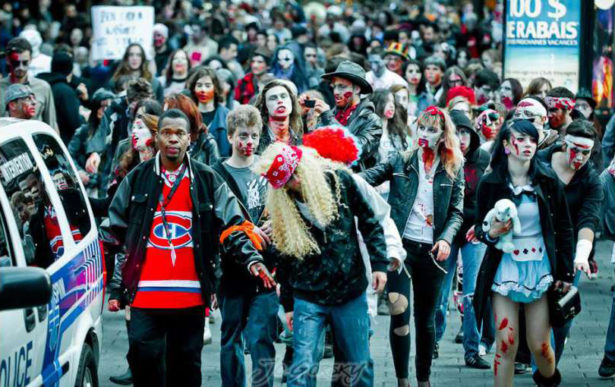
<point>310,103</point>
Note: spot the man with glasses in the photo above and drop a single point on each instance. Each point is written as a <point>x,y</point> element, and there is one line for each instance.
<point>19,55</point>
<point>169,212</point>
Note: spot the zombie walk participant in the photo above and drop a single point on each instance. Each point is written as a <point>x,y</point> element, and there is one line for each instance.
<point>395,56</point>
<point>509,93</point>
<point>485,84</point>
<point>206,92</point>
<point>584,197</point>
<point>280,113</point>
<point>287,66</point>
<point>161,47</point>
<point>348,83</point>
<point>427,199</point>
<point>248,86</point>
<point>249,309</point>
<point>542,254</point>
<point>560,102</point>
<point>534,110</point>
<point>19,54</point>
<point>20,101</point>
<point>169,275</point>
<point>175,74</point>
<point>434,68</point>
<point>313,208</point>
<point>472,252</point>
<point>380,77</point>
<point>486,125</point>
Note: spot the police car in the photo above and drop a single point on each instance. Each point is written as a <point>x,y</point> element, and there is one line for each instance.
<point>51,263</point>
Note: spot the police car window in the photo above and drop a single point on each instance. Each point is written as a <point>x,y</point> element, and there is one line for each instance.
<point>66,185</point>
<point>6,257</point>
<point>22,183</point>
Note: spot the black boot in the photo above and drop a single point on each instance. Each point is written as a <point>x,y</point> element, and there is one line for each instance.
<point>542,381</point>
<point>124,380</point>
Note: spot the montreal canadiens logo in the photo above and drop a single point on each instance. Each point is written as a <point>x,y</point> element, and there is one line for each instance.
<point>180,224</point>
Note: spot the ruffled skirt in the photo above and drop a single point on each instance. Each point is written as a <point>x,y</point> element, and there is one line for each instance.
<point>522,282</point>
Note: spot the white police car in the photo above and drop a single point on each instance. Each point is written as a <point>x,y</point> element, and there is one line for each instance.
<point>50,320</point>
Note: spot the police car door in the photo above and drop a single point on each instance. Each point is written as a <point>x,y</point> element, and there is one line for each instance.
<point>23,331</point>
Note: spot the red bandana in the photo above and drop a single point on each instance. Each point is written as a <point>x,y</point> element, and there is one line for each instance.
<point>342,116</point>
<point>560,103</point>
<point>283,166</point>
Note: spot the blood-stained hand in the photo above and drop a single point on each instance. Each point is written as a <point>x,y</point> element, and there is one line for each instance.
<point>260,270</point>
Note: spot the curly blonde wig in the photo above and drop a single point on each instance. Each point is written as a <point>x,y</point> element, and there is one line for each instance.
<point>291,235</point>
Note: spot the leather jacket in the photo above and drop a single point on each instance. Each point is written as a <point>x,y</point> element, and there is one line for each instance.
<point>402,171</point>
<point>215,208</point>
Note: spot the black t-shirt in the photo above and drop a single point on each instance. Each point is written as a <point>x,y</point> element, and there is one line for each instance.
<point>208,117</point>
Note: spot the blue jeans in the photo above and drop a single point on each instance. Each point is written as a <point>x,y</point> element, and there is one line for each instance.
<point>350,323</point>
<point>609,347</point>
<point>253,317</point>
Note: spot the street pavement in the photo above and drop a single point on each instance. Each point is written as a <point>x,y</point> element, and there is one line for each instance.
<point>579,364</point>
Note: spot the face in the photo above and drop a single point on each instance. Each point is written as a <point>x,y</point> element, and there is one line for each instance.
<point>261,40</point>
<point>101,110</point>
<point>506,95</point>
<point>204,89</point>
<point>542,92</point>
<point>24,108</point>
<point>245,140</point>
<point>433,74</point>
<point>141,136</point>
<point>557,117</point>
<point>76,36</point>
<point>60,181</point>
<point>377,65</point>
<point>465,138</point>
<point>343,92</point>
<point>454,80</point>
<point>428,136</point>
<point>393,63</point>
<point>584,108</point>
<point>486,59</point>
<point>258,65</point>
<point>180,63</point>
<point>489,125</point>
<point>520,146</point>
<point>34,189</point>
<point>159,40</point>
<point>484,94</point>
<point>578,154</point>
<point>404,38</point>
<point>401,97</point>
<point>18,64</point>
<point>272,44</point>
<point>413,74</point>
<point>462,60</point>
<point>173,139</point>
<point>310,56</point>
<point>428,35</point>
<point>278,102</point>
<point>229,53</point>
<point>463,107</point>
<point>285,59</point>
<point>389,107</point>
<point>294,183</point>
<point>197,33</point>
<point>134,58</point>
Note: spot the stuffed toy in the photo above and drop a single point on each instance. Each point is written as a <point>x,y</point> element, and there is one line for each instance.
<point>503,211</point>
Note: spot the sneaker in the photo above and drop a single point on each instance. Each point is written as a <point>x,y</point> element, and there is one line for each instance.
<point>607,368</point>
<point>477,362</point>
<point>459,337</point>
<point>482,350</point>
<point>123,380</point>
<point>207,333</point>
<point>436,351</point>
<point>521,368</point>
<point>383,308</point>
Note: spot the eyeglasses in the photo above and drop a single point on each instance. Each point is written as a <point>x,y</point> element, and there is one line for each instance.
<point>18,63</point>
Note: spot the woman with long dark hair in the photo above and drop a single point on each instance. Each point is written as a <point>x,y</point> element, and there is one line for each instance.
<point>541,257</point>
<point>453,77</point>
<point>287,65</point>
<point>134,63</point>
<point>426,200</point>
<point>176,73</point>
<point>395,136</point>
<point>419,98</point>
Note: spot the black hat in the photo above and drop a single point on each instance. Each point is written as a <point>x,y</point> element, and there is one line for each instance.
<point>352,72</point>
<point>586,95</point>
<point>62,63</point>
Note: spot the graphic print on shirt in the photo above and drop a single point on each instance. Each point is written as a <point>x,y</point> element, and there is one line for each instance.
<point>179,223</point>
<point>253,199</point>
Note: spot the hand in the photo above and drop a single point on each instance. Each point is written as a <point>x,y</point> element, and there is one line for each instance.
<point>443,249</point>
<point>499,228</point>
<point>265,240</point>
<point>564,286</point>
<point>321,107</point>
<point>83,92</point>
<point>394,264</point>
<point>83,175</point>
<point>214,302</point>
<point>113,305</point>
<point>471,236</point>
<point>260,270</point>
<point>582,266</point>
<point>379,279</point>
<point>93,162</point>
<point>267,229</point>
<point>289,320</point>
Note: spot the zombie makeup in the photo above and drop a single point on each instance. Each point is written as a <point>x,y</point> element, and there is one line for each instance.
<point>180,63</point>
<point>428,137</point>
<point>506,95</point>
<point>285,59</point>
<point>27,107</point>
<point>258,65</point>
<point>433,75</point>
<point>278,102</point>
<point>401,97</point>
<point>484,94</point>
<point>413,74</point>
<point>141,136</point>
<point>204,90</point>
<point>487,124</point>
<point>393,63</point>
<point>18,65</point>
<point>376,64</point>
<point>521,146</point>
<point>343,92</point>
<point>455,80</point>
<point>159,40</point>
<point>578,150</point>
<point>389,107</point>
<point>245,140</point>
<point>60,181</point>
<point>465,139</point>
<point>584,108</point>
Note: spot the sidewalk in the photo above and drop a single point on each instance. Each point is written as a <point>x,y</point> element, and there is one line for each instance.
<point>579,364</point>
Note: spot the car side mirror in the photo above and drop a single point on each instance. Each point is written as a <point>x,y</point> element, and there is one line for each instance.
<point>24,287</point>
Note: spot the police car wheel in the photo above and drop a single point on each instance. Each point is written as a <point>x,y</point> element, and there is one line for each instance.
<point>87,375</point>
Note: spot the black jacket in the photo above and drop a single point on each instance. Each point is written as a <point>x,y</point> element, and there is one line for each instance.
<point>67,104</point>
<point>266,139</point>
<point>366,126</point>
<point>337,274</point>
<point>205,149</point>
<point>235,279</point>
<point>584,193</point>
<point>215,208</point>
<point>402,170</point>
<point>554,219</point>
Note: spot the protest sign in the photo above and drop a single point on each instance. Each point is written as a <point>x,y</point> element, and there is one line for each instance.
<point>114,28</point>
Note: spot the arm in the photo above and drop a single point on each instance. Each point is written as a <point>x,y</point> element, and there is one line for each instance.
<point>381,172</point>
<point>564,236</point>
<point>118,211</point>
<point>49,112</point>
<point>454,217</point>
<point>368,134</point>
<point>98,141</point>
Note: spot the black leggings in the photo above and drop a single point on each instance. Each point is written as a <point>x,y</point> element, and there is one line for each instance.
<point>427,283</point>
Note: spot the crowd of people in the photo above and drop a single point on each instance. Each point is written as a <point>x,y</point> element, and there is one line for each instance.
<point>324,161</point>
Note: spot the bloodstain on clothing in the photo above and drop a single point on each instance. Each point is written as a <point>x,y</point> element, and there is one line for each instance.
<point>343,115</point>
<point>429,220</point>
<point>503,324</point>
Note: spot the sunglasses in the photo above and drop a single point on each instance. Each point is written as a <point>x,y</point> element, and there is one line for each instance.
<point>18,63</point>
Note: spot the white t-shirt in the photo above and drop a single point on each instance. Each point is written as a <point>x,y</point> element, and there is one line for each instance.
<point>419,226</point>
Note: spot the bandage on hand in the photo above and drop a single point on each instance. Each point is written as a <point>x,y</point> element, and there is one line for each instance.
<point>581,256</point>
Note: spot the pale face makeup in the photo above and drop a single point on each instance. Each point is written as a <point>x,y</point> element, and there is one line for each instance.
<point>401,97</point>
<point>285,59</point>
<point>465,139</point>
<point>389,107</point>
<point>521,146</point>
<point>278,102</point>
<point>428,136</point>
<point>413,74</point>
<point>578,151</point>
<point>180,63</point>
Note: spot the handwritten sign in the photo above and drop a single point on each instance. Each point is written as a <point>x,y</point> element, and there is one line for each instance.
<point>114,28</point>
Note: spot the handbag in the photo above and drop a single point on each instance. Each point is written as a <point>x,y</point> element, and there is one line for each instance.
<point>563,307</point>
